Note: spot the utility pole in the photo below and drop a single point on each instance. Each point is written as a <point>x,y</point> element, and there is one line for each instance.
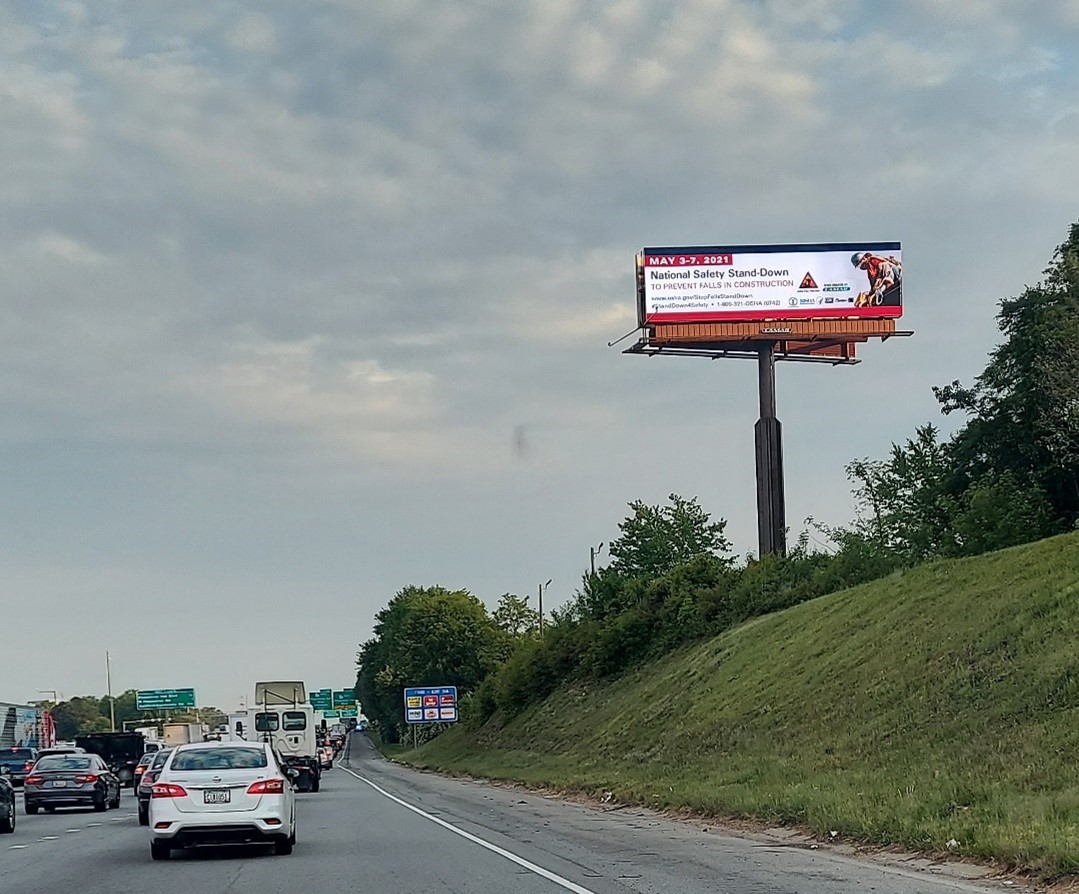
<point>594,551</point>
<point>112,701</point>
<point>542,587</point>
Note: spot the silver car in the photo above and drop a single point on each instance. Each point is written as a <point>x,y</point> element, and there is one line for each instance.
<point>222,793</point>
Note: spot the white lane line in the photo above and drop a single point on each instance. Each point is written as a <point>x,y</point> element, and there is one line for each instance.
<point>494,848</point>
<point>48,838</point>
<point>18,847</point>
<point>70,831</point>
<point>91,825</point>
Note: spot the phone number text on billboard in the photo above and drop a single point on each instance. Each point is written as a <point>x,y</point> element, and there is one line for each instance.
<point>770,282</point>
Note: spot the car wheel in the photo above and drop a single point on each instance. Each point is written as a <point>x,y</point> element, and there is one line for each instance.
<point>115,802</point>
<point>282,847</point>
<point>315,782</point>
<point>144,816</point>
<point>100,804</point>
<point>32,809</point>
<point>7,823</point>
<point>159,850</point>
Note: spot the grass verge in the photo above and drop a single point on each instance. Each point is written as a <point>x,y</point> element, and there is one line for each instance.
<point>937,710</point>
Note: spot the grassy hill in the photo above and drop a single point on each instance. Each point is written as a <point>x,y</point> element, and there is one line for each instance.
<point>938,705</point>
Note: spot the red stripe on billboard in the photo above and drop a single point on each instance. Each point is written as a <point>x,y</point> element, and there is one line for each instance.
<point>815,313</point>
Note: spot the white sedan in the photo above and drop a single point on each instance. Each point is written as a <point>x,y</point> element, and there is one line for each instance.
<point>222,793</point>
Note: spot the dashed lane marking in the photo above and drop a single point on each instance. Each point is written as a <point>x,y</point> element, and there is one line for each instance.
<point>18,847</point>
<point>494,848</point>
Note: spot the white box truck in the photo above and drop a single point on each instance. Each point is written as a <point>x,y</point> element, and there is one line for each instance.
<point>282,716</point>
<point>182,733</point>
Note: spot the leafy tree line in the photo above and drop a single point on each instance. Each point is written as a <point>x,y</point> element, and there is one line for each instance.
<point>1009,475</point>
<point>85,714</point>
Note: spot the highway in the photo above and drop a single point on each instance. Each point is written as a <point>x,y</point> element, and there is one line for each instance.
<point>376,826</point>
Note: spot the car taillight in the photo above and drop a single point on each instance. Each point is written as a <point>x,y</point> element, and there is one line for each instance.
<point>267,787</point>
<point>29,766</point>
<point>87,777</point>
<point>148,776</point>
<point>34,780</point>
<point>168,790</point>
<point>139,771</point>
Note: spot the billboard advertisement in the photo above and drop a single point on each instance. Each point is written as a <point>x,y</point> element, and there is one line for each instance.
<point>731,284</point>
<point>20,726</point>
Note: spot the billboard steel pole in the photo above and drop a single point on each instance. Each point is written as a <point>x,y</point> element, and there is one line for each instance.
<point>768,437</point>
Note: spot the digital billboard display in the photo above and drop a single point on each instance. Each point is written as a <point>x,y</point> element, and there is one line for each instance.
<point>862,280</point>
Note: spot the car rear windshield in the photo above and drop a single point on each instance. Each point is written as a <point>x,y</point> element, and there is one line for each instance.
<point>159,760</point>
<point>16,755</point>
<point>220,759</point>
<point>63,762</point>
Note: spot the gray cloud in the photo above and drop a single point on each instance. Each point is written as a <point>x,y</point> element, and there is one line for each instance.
<point>284,288</point>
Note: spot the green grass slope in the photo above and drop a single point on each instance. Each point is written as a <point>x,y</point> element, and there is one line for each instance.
<point>936,709</point>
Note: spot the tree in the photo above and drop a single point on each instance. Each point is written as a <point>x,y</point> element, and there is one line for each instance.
<point>515,616</point>
<point>78,715</point>
<point>426,636</point>
<point>1024,407</point>
<point>904,505</point>
<point>656,539</point>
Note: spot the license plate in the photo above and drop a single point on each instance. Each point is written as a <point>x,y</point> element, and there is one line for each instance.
<point>59,783</point>
<point>217,796</point>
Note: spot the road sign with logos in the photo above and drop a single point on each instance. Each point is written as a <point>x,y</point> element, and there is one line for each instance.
<point>431,704</point>
<point>321,699</point>
<point>162,699</point>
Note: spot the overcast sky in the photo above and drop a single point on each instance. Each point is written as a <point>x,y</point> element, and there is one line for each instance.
<point>304,305</point>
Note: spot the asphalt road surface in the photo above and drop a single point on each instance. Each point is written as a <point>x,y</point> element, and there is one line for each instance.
<point>378,827</point>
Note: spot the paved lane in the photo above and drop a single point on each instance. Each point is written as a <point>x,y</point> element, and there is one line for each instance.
<point>378,827</point>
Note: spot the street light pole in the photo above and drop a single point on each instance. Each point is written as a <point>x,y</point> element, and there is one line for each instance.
<point>594,551</point>
<point>112,701</point>
<point>542,587</point>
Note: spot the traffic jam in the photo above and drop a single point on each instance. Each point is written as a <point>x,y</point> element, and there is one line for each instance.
<point>233,784</point>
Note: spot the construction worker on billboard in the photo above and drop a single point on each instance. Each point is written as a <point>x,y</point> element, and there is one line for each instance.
<point>885,278</point>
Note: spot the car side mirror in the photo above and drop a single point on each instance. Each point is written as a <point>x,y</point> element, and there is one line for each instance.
<point>292,773</point>
<point>5,770</point>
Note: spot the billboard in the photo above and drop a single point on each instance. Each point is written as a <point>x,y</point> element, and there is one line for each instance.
<point>20,726</point>
<point>431,704</point>
<point>730,284</point>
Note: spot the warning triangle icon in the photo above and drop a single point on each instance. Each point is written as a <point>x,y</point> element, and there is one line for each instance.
<point>808,282</point>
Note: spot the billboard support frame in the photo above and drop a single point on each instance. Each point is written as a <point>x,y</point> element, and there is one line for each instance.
<point>768,444</point>
<point>836,348</point>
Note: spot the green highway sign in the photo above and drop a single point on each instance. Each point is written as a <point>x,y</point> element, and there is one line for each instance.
<point>331,715</point>
<point>321,699</point>
<point>349,712</point>
<point>161,699</point>
<point>344,698</point>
